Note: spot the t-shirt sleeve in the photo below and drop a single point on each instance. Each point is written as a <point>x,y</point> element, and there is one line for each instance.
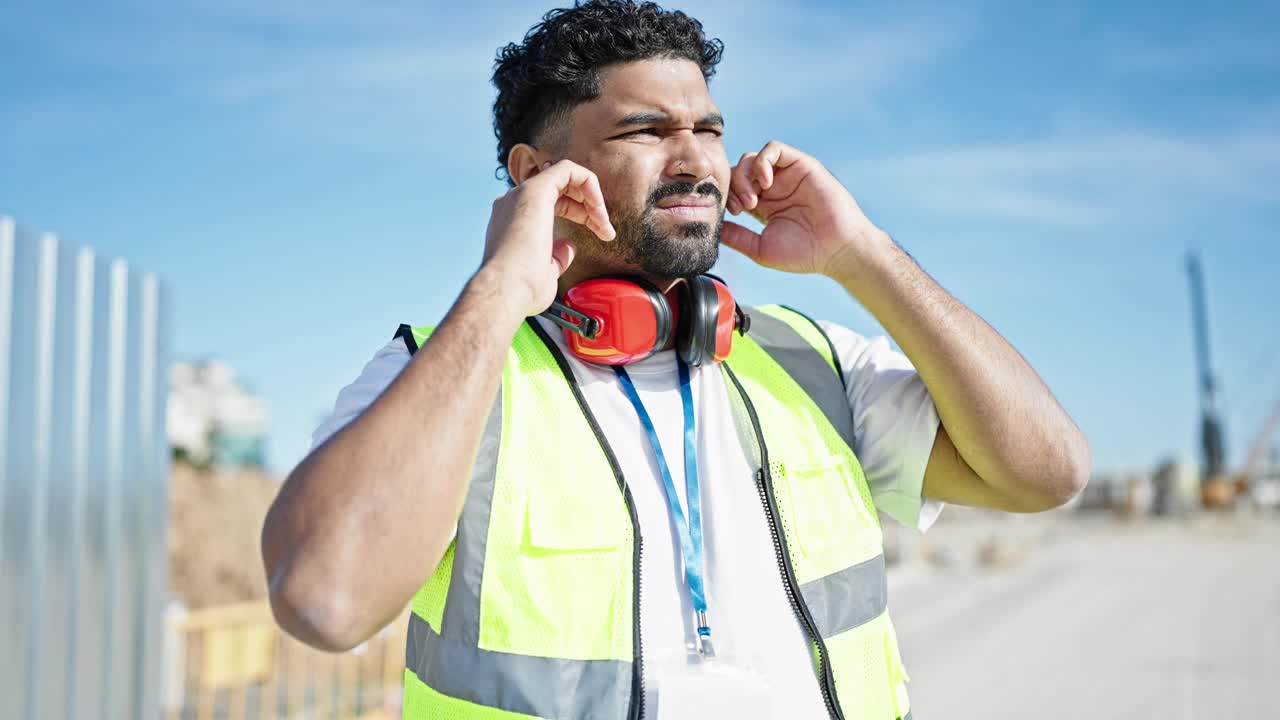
<point>377,376</point>
<point>352,400</point>
<point>895,424</point>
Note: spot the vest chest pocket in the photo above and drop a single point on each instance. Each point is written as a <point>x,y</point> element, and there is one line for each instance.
<point>567,591</point>
<point>827,510</point>
<point>574,522</point>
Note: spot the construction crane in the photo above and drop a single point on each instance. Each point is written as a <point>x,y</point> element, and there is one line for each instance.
<point>1258,450</point>
<point>1215,489</point>
<point>1219,487</point>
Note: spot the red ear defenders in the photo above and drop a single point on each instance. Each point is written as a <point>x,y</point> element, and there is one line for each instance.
<point>621,320</point>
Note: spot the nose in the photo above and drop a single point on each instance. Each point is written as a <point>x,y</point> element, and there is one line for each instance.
<point>689,160</point>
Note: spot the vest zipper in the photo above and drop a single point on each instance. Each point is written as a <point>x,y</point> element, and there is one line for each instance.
<point>764,483</point>
<point>636,709</point>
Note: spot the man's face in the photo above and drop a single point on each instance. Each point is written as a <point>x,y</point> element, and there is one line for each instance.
<point>653,140</point>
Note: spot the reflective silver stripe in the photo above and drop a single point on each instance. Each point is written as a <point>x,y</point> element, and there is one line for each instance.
<point>807,367</point>
<point>539,686</point>
<point>907,716</point>
<point>461,619</point>
<point>849,598</point>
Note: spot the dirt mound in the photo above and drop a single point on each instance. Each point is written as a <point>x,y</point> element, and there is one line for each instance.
<point>215,522</point>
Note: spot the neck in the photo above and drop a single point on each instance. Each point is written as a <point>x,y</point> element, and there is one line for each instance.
<point>582,269</point>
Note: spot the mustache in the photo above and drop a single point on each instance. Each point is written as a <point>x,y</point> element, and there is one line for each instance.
<point>685,188</point>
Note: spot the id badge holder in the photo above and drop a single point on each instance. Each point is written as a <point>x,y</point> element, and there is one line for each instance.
<point>712,689</point>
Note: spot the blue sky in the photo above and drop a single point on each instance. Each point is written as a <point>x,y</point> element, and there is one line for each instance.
<point>307,175</point>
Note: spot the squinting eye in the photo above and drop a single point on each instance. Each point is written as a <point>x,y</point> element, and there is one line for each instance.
<point>645,131</point>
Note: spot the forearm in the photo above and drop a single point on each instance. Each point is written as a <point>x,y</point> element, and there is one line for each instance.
<point>362,522</point>
<point>1005,441</point>
<point>1003,420</point>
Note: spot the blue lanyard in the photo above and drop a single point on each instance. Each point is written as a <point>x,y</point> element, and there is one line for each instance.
<point>690,532</point>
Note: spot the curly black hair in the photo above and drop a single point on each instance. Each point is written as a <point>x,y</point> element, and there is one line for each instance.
<point>556,67</point>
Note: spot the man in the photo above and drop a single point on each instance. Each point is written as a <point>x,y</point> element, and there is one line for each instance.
<point>582,538</point>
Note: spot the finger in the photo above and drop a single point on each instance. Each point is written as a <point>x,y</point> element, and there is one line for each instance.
<point>773,156</point>
<point>585,190</point>
<point>762,168</point>
<point>562,254</point>
<point>570,179</point>
<point>574,211</point>
<point>740,179</point>
<point>741,239</point>
<point>733,204</point>
<point>741,183</point>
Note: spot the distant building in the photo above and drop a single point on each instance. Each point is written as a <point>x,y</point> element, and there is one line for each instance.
<point>213,419</point>
<point>1265,488</point>
<point>1176,486</point>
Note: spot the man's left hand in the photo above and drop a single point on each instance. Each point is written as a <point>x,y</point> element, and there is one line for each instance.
<point>811,221</point>
<point>1004,441</point>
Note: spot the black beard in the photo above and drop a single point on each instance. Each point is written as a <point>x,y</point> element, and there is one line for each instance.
<point>690,250</point>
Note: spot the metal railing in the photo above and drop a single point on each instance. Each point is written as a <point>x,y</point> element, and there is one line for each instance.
<point>233,663</point>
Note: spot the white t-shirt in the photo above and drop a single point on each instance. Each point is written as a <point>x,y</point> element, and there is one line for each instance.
<point>753,625</point>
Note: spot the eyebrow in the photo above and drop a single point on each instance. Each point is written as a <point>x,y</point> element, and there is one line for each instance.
<point>656,118</point>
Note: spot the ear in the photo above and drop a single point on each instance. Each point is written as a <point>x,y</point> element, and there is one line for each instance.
<point>524,161</point>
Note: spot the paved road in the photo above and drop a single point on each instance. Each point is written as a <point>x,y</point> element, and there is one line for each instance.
<point>1106,620</point>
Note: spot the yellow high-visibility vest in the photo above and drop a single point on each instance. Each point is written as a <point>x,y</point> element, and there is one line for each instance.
<point>534,611</point>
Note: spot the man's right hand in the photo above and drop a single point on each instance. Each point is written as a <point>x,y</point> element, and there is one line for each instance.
<point>396,477</point>
<point>520,244</point>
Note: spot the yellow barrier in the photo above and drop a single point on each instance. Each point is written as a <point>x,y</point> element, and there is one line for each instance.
<point>234,663</point>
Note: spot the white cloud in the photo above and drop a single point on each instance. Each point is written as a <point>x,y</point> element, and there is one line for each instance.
<point>48,119</point>
<point>1199,48</point>
<point>347,17</point>
<point>384,79</point>
<point>412,82</point>
<point>1085,179</point>
<point>376,74</point>
<point>842,58</point>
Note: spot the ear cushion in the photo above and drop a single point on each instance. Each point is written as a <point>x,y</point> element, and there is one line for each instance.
<point>730,319</point>
<point>696,338</point>
<point>661,311</point>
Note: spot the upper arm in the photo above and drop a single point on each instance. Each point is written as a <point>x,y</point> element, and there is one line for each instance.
<point>911,464</point>
<point>948,478</point>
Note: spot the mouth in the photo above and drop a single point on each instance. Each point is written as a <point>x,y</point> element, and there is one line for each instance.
<point>689,207</point>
